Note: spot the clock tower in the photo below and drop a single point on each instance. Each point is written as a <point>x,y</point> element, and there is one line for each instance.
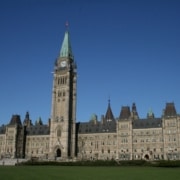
<point>63,110</point>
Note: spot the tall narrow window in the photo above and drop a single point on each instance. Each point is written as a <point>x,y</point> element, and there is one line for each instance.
<point>59,133</point>
<point>58,80</point>
<point>59,93</point>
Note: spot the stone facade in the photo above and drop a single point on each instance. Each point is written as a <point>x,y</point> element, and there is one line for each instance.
<point>127,137</point>
<point>133,138</point>
<point>124,139</point>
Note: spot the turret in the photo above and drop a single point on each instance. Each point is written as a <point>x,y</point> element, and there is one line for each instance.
<point>109,115</point>
<point>27,122</point>
<point>134,112</point>
<point>150,114</point>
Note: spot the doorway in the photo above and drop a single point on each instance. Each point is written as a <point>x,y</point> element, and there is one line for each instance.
<point>146,157</point>
<point>58,153</point>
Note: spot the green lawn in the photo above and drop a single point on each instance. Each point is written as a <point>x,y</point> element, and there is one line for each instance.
<point>87,173</point>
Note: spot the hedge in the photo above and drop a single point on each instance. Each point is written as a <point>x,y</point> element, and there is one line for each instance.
<point>104,163</point>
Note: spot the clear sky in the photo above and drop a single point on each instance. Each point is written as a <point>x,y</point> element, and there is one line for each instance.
<point>128,50</point>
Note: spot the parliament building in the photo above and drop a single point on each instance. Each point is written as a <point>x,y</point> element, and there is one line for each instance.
<point>127,137</point>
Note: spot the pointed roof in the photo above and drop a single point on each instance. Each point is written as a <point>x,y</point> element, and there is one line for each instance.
<point>170,110</point>
<point>125,112</point>
<point>109,115</point>
<point>66,50</point>
<point>15,120</point>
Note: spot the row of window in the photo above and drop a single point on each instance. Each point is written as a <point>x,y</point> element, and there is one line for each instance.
<point>38,144</point>
<point>124,126</point>
<point>102,151</point>
<point>148,149</point>
<point>99,143</point>
<point>124,134</point>
<point>155,156</point>
<point>37,138</point>
<point>147,133</point>
<point>170,139</point>
<point>35,152</point>
<point>62,80</point>
<point>8,138</point>
<point>61,93</point>
<point>60,100</point>
<point>124,140</point>
<point>112,137</point>
<point>9,142</point>
<point>148,140</point>
<point>171,124</point>
<point>9,150</point>
<point>171,131</point>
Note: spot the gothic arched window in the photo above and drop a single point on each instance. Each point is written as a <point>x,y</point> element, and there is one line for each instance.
<point>59,133</point>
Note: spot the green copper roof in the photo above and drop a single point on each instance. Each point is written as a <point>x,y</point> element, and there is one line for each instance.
<point>150,113</point>
<point>66,50</point>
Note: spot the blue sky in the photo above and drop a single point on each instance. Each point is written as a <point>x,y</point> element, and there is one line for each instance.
<point>128,50</point>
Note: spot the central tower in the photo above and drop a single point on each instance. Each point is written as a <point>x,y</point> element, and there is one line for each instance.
<point>63,110</point>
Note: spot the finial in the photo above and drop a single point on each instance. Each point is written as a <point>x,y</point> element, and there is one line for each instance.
<point>27,115</point>
<point>66,25</point>
<point>109,100</point>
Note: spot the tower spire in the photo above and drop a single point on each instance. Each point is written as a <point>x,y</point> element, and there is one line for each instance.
<point>66,50</point>
<point>109,115</point>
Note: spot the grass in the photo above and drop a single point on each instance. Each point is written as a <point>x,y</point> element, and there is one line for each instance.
<point>87,173</point>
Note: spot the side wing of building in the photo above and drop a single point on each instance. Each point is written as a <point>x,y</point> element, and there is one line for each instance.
<point>130,137</point>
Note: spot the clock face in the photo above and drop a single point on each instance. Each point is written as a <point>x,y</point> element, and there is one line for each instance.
<point>63,63</point>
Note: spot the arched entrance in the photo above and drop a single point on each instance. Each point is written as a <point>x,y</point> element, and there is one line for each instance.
<point>58,153</point>
<point>146,157</point>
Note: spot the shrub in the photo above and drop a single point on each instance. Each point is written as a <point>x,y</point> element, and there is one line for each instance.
<point>168,164</point>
